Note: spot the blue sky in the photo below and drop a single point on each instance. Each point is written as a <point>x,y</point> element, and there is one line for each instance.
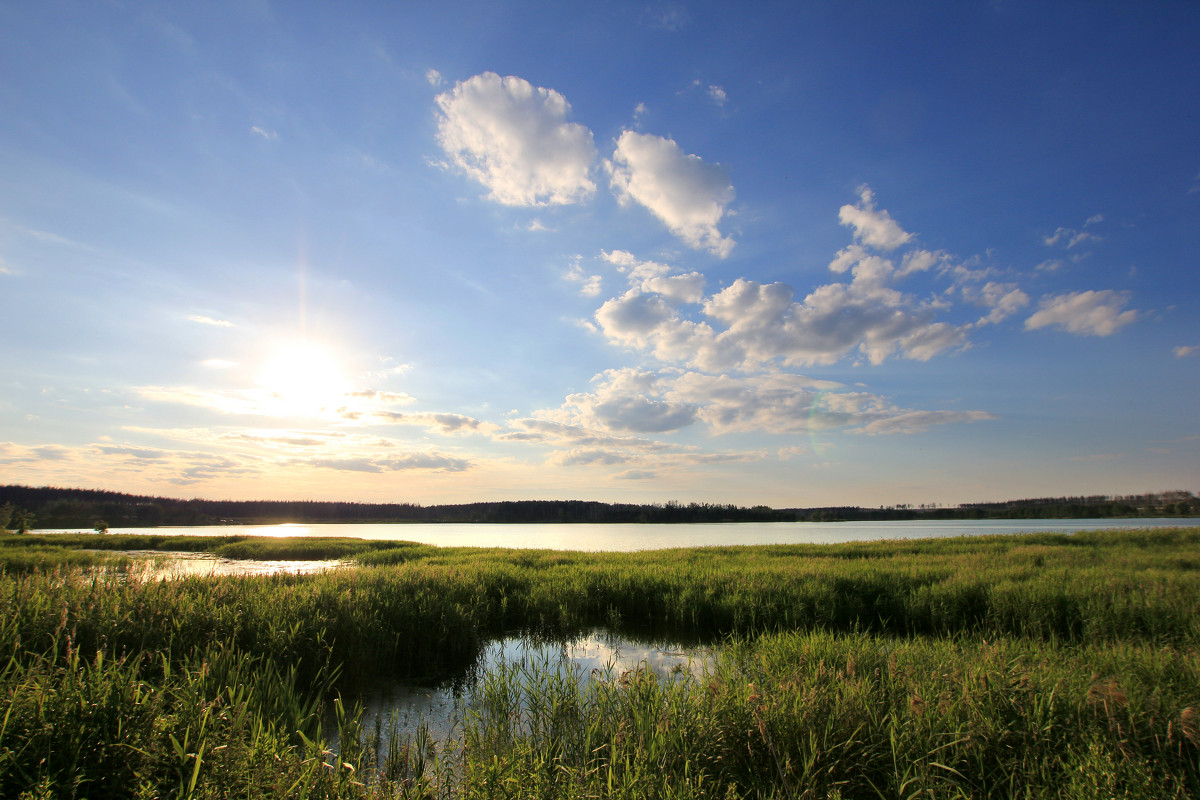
<point>792,254</point>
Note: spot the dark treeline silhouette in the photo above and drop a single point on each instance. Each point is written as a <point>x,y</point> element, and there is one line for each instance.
<point>54,507</point>
<point>1161,504</point>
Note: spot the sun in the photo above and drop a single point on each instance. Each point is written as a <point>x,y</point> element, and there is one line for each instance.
<point>302,378</point>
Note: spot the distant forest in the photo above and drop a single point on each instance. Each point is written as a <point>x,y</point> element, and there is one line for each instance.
<point>53,507</point>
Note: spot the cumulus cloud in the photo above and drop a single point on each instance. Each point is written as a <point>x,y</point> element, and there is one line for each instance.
<point>1090,313</point>
<point>625,402</point>
<point>656,278</point>
<point>873,227</point>
<point>765,324</point>
<point>777,403</point>
<point>749,326</point>
<point>515,139</point>
<point>1004,300</point>
<point>687,194</point>
<point>556,427</point>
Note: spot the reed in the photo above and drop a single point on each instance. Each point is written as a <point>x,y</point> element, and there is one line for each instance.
<point>265,548</point>
<point>852,716</point>
<point>1014,666</point>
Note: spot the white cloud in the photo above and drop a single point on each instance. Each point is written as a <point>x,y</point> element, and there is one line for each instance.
<point>556,427</point>
<point>434,78</point>
<point>442,423</point>
<point>920,261</point>
<point>1070,237</point>
<point>919,421</point>
<point>717,95</point>
<point>687,288</point>
<point>385,397</point>
<point>1183,351</point>
<point>764,324</point>
<point>591,285</point>
<point>515,139</point>
<point>688,195</point>
<point>625,403</point>
<point>625,400</point>
<point>269,135</point>
<point>847,257</point>
<point>1004,300</point>
<point>435,462</point>
<point>203,320</point>
<point>871,227</point>
<point>637,270</point>
<point>1089,313</point>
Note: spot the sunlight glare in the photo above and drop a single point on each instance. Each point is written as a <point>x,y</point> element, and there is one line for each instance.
<point>303,378</point>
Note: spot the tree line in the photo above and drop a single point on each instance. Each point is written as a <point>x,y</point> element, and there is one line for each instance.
<point>57,507</point>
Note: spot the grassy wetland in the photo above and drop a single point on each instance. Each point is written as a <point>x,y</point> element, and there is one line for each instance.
<point>1042,665</point>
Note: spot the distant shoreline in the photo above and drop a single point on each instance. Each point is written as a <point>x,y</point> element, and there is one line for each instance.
<point>53,507</point>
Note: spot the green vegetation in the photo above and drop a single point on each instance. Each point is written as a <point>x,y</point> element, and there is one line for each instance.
<point>1030,666</point>
<point>18,518</point>
<point>263,548</point>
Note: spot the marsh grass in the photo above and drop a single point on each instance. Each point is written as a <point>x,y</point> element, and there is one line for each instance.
<point>263,548</point>
<point>1015,666</point>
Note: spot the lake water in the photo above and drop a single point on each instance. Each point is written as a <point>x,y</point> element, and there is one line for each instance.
<point>631,537</point>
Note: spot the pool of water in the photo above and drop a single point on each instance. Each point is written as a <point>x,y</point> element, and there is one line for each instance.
<point>396,709</point>
<point>157,565</point>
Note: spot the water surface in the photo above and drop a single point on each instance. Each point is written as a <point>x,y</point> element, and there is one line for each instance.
<point>596,655</point>
<point>627,537</point>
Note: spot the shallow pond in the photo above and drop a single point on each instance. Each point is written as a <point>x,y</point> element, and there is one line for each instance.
<point>157,565</point>
<point>400,707</point>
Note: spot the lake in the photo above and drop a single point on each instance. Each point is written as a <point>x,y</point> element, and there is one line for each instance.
<point>631,537</point>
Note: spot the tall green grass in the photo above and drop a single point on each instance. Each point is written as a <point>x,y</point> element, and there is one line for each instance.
<point>1006,666</point>
<point>265,548</point>
<point>853,716</point>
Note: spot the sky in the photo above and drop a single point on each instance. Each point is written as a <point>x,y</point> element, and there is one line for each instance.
<point>792,254</point>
